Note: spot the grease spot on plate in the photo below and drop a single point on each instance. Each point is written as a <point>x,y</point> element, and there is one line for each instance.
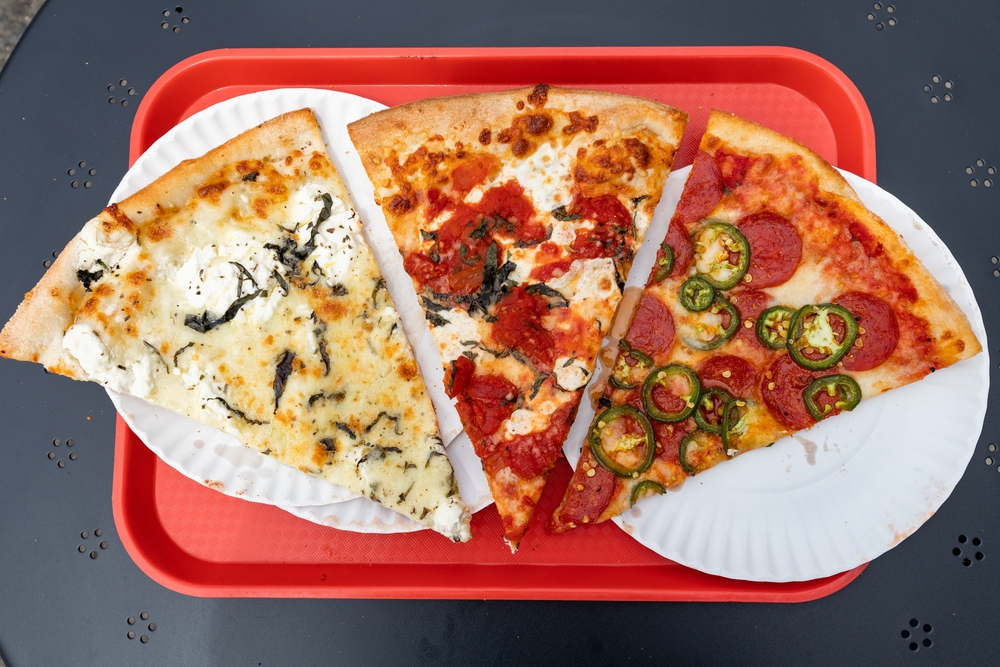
<point>198,444</point>
<point>215,484</point>
<point>809,446</point>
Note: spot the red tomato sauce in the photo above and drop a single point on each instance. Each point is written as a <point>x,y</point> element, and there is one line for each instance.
<point>535,453</point>
<point>609,236</point>
<point>518,326</point>
<point>454,264</point>
<point>484,401</point>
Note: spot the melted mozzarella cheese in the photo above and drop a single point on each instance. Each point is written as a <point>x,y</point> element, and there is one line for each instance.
<point>211,281</point>
<point>536,174</point>
<point>337,243</point>
<point>461,327</point>
<point>810,284</point>
<point>525,420</point>
<point>571,373</point>
<point>587,279</point>
<point>101,251</point>
<point>83,343</point>
<point>303,205</point>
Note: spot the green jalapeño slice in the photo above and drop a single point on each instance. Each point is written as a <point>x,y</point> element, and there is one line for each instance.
<point>712,327</point>
<point>664,265</point>
<point>735,420</point>
<point>829,395</point>
<point>697,294</point>
<point>709,413</point>
<point>630,367</point>
<point>622,441</point>
<point>721,254</point>
<point>772,326</point>
<point>818,336</point>
<point>670,393</point>
<point>645,488</point>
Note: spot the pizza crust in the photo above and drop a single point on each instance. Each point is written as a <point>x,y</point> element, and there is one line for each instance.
<point>462,118</point>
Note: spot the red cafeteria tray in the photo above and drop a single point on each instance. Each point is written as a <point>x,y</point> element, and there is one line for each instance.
<point>200,542</point>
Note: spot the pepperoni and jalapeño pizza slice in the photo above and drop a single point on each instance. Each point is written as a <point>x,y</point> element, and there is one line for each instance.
<point>776,300</point>
<point>517,215</point>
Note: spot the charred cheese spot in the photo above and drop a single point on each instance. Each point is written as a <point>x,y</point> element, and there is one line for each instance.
<point>261,206</point>
<point>399,205</point>
<point>539,96</point>
<point>609,162</point>
<point>485,137</point>
<point>90,306</point>
<point>331,310</point>
<point>578,122</point>
<point>118,221</point>
<point>213,190</point>
<point>160,230</point>
<point>407,370</point>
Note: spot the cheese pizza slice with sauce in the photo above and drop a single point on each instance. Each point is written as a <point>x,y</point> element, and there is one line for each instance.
<point>517,214</point>
<point>777,300</point>
<point>237,289</point>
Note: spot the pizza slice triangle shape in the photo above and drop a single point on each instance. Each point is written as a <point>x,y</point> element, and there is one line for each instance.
<point>517,215</point>
<point>777,300</point>
<point>237,289</point>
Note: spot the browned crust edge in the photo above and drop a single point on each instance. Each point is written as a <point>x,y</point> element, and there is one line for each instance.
<point>463,117</point>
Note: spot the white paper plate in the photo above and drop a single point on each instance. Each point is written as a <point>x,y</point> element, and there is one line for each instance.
<point>208,455</point>
<point>843,492</point>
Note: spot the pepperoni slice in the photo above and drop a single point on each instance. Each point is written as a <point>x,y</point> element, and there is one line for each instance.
<point>750,303</point>
<point>782,392</point>
<point>702,191</point>
<point>734,374</point>
<point>775,248</point>
<point>669,437</point>
<point>881,330</point>
<point>652,328</point>
<point>680,242</point>
<point>588,502</point>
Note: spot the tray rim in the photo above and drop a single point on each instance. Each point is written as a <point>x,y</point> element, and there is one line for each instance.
<point>191,79</point>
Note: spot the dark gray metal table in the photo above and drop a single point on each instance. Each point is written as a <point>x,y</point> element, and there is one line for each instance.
<point>936,147</point>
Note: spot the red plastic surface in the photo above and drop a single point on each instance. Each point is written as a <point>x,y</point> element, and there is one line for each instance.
<point>200,542</point>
